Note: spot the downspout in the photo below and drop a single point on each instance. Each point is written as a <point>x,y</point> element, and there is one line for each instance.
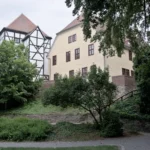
<point>49,68</point>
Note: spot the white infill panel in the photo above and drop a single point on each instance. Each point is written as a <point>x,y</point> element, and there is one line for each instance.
<point>31,55</point>
<point>38,57</point>
<point>39,64</point>
<point>32,48</point>
<point>40,35</point>
<point>34,34</point>
<point>33,41</point>
<point>40,42</point>
<point>46,70</point>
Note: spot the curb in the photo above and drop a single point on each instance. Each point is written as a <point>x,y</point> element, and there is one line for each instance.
<point>122,147</point>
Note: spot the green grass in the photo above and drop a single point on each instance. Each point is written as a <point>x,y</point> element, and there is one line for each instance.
<point>21,129</point>
<point>77,148</point>
<point>65,131</point>
<point>36,107</point>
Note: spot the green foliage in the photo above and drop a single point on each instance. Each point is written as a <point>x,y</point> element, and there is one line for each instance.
<point>130,105</point>
<point>20,129</point>
<point>130,109</point>
<point>36,107</point>
<point>111,125</point>
<point>119,20</point>
<point>94,93</point>
<point>16,75</point>
<point>69,131</point>
<point>142,74</point>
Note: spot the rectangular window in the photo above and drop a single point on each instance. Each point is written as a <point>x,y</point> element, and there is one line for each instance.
<point>72,38</point>
<point>55,76</point>
<point>69,39</point>
<point>68,56</point>
<point>54,60</point>
<point>84,72</point>
<point>130,55</point>
<point>77,53</point>
<point>132,73</point>
<point>91,49</point>
<point>71,73</point>
<point>17,40</point>
<point>125,72</point>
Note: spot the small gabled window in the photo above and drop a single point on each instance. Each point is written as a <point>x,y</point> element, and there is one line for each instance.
<point>71,73</point>
<point>130,55</point>
<point>68,56</point>
<point>91,49</point>
<point>84,72</point>
<point>125,72</point>
<point>77,53</point>
<point>54,60</point>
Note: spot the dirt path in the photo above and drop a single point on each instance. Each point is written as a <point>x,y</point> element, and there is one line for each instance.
<point>58,117</point>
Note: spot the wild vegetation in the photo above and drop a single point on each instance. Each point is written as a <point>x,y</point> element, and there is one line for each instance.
<point>120,25</point>
<point>120,21</point>
<point>21,129</point>
<point>95,94</point>
<point>16,76</point>
<point>142,76</point>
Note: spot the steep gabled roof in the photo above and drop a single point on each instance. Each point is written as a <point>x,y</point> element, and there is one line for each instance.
<point>22,23</point>
<point>74,23</point>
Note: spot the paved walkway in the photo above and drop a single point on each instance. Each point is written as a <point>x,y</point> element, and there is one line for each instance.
<point>140,142</point>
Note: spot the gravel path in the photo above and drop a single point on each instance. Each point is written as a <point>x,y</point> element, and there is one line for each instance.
<point>140,142</point>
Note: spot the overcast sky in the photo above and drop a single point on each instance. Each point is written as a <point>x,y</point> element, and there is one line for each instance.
<point>50,15</point>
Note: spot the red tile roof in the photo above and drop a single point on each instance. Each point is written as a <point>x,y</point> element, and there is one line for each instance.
<point>74,23</point>
<point>22,23</point>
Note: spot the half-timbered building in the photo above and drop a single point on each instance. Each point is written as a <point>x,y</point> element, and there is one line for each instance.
<point>23,30</point>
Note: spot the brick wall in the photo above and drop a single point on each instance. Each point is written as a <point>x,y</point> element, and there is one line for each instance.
<point>124,84</point>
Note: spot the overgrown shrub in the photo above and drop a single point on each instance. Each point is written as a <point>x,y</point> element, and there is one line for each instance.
<point>130,105</point>
<point>18,83</point>
<point>130,109</point>
<point>142,76</point>
<point>93,93</point>
<point>111,125</point>
<point>20,129</point>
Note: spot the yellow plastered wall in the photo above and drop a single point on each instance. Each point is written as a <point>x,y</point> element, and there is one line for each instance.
<point>115,63</point>
<point>61,46</point>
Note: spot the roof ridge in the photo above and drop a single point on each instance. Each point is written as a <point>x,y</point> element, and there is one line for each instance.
<point>18,18</point>
<point>72,24</point>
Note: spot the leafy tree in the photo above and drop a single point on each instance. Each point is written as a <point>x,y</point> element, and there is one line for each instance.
<point>95,93</point>
<point>16,75</point>
<point>142,74</point>
<point>120,20</point>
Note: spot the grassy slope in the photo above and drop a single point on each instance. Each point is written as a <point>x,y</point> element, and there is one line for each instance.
<point>36,107</point>
<point>78,148</point>
<point>65,131</point>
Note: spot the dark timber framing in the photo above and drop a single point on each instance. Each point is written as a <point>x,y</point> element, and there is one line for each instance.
<point>38,43</point>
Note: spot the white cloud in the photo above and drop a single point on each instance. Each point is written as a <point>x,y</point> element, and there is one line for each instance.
<point>51,15</point>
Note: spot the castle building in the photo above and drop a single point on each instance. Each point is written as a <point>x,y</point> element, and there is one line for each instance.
<point>70,53</point>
